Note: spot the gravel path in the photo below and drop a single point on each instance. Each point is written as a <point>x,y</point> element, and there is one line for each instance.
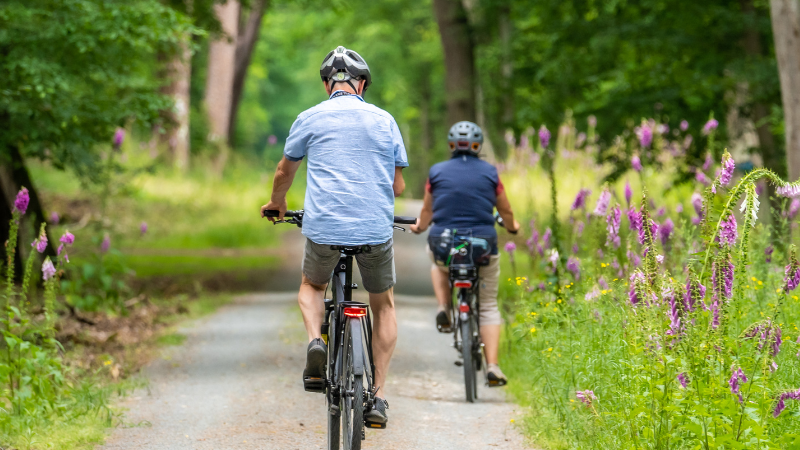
<point>235,383</point>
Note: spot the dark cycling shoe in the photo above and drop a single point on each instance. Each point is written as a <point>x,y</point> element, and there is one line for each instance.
<point>314,373</point>
<point>495,376</point>
<point>443,322</point>
<point>377,417</point>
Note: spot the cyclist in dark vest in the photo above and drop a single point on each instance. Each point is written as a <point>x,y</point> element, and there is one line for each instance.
<point>461,194</point>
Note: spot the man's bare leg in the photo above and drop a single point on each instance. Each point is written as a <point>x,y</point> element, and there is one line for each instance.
<point>312,306</point>
<point>384,334</point>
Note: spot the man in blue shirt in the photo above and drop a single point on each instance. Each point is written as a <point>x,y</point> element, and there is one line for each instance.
<point>461,195</point>
<point>355,159</point>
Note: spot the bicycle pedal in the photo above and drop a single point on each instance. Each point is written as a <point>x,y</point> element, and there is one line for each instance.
<point>459,363</point>
<point>495,383</point>
<point>314,385</point>
<point>446,330</point>
<point>375,425</point>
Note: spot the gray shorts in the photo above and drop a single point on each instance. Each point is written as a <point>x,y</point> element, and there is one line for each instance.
<point>376,267</point>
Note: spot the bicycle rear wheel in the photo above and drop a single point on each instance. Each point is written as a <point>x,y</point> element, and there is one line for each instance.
<point>353,395</point>
<point>470,381</point>
<point>334,408</point>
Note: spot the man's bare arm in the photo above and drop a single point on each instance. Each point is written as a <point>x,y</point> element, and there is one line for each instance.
<point>504,209</point>
<point>399,183</point>
<point>284,176</point>
<point>425,216</point>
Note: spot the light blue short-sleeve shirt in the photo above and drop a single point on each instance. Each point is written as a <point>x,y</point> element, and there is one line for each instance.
<point>352,148</point>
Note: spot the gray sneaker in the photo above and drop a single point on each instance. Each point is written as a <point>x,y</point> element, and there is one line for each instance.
<point>376,417</point>
<point>314,373</point>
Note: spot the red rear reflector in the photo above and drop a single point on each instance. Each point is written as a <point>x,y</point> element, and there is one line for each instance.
<point>463,284</point>
<point>355,312</point>
<point>463,307</point>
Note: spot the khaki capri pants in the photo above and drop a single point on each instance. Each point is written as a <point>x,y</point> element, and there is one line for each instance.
<point>488,282</point>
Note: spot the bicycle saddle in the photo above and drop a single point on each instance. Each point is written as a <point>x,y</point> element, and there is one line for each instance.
<point>352,249</point>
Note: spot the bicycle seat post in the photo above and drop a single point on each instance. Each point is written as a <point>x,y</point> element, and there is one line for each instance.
<point>346,265</point>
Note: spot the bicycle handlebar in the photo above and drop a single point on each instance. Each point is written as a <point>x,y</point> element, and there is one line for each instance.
<point>502,223</point>
<point>289,214</point>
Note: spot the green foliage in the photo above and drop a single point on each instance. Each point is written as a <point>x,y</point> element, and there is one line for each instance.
<point>65,88</point>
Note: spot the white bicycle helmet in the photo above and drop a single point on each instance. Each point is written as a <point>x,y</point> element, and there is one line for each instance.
<point>343,65</point>
<point>465,137</point>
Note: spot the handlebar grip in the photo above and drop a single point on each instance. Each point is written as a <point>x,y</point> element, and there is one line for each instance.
<point>276,213</point>
<point>405,220</point>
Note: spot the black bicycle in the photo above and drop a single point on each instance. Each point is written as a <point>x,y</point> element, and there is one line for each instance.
<point>464,256</point>
<point>347,330</point>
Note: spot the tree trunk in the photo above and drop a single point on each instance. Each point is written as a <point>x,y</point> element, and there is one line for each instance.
<point>786,31</point>
<point>178,71</point>
<point>245,45</point>
<point>219,80</point>
<point>459,60</point>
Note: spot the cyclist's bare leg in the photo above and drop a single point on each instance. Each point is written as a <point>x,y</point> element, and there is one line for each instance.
<point>384,334</point>
<point>312,306</point>
<point>490,335</point>
<point>441,286</point>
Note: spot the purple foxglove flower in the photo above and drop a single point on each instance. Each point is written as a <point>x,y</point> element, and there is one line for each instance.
<point>725,285</point>
<point>679,208</point>
<point>22,200</point>
<point>106,244</point>
<point>715,314</point>
<point>768,253</point>
<point>665,230</point>
<point>728,231</point>
<point>660,259</point>
<point>575,248</point>
<point>143,228</point>
<point>737,376</point>
<point>510,246</point>
<point>573,265</point>
<point>696,220</point>
<point>580,199</point>
<point>684,125</point>
<point>643,231</point>
<point>687,142</point>
<point>613,223</point>
<point>697,203</point>
<point>40,243</point>
<point>542,286</point>
<point>119,137</point>
<point>777,340</point>
<point>674,317</point>
<point>533,241</point>
<point>645,135</point>
<point>662,128</point>
<point>544,136</point>
<point>510,140</point>
<point>708,162</point>
<point>581,139</point>
<point>788,190</point>
<point>592,121</point>
<point>780,405</point>
<point>68,238</point>
<point>702,178</point>
<point>628,193</point>
<point>636,163</point>
<point>272,139</point>
<point>794,208</point>
<point>661,211</point>
<point>682,376</point>
<point>48,270</point>
<point>726,173</point>
<point>603,283</point>
<point>586,397</point>
<point>635,219</point>
<point>548,235</point>
<point>710,126</point>
<point>695,292</point>
<point>634,258</point>
<point>792,278</point>
<point>524,142</point>
<point>553,258</point>
<point>54,219</point>
<point>579,228</point>
<point>602,203</point>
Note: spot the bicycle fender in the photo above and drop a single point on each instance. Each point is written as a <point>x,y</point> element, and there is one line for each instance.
<point>358,346</point>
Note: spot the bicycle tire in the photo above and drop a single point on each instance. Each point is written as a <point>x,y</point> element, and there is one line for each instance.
<point>470,381</point>
<point>352,405</point>
<point>334,416</point>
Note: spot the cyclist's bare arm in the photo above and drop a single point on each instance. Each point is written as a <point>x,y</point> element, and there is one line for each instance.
<point>504,209</point>
<point>425,216</point>
<point>284,176</point>
<point>399,183</point>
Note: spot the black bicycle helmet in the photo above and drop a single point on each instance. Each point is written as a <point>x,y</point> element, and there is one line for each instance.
<point>342,65</point>
<point>465,137</point>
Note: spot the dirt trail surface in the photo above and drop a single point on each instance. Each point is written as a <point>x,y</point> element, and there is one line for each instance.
<point>236,382</point>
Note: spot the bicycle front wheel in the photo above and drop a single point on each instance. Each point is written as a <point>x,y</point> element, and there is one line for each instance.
<point>353,395</point>
<point>467,341</point>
